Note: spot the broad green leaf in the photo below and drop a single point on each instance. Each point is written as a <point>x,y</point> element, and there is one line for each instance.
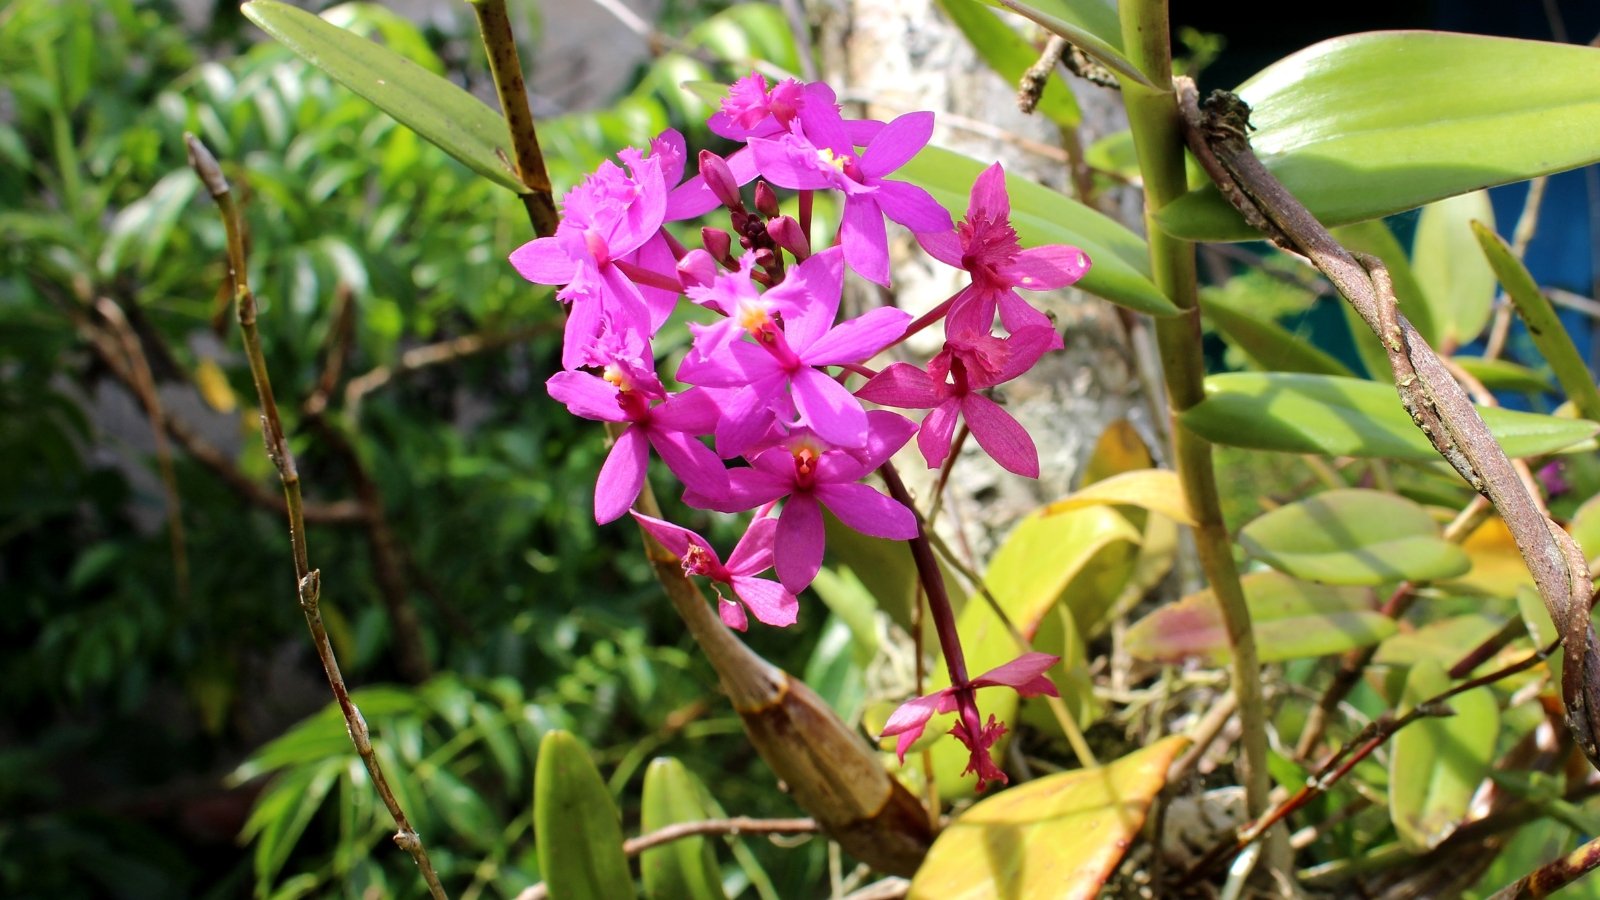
<point>1353,536</point>
<point>1436,764</point>
<point>1268,344</point>
<point>1300,413</point>
<point>1500,375</point>
<point>1541,628</point>
<point>1010,55</point>
<point>1374,237</point>
<point>1097,17</point>
<point>1366,125</point>
<point>1585,527</point>
<point>1498,568</point>
<point>1059,836</point>
<point>1158,490</point>
<point>577,828</point>
<point>1456,280</point>
<point>1291,619</point>
<point>1442,641</point>
<point>1120,261</point>
<point>447,116</point>
<point>848,598</point>
<point>681,870</point>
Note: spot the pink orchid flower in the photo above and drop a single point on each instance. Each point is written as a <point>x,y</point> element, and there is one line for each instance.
<point>972,362</point>
<point>771,602</point>
<point>986,246</point>
<point>823,157</point>
<point>1025,674</point>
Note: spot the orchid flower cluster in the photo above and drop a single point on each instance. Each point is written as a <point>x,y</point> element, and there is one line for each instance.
<point>766,383</point>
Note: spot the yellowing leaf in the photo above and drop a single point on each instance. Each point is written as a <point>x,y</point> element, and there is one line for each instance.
<point>1157,490</point>
<point>1059,837</point>
<point>1498,569</point>
<point>212,383</point>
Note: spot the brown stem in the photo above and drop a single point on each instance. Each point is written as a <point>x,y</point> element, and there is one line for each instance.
<point>308,581</point>
<point>506,68</point>
<point>1436,403</point>
<point>1553,875</point>
<point>1031,86</point>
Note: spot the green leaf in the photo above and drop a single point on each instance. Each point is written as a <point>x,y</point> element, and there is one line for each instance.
<point>1436,764</point>
<point>1544,327</point>
<point>1057,836</point>
<point>1010,55</point>
<point>1291,619</point>
<point>1500,375</point>
<point>447,116</point>
<point>685,869</point>
<point>1268,344</point>
<point>1457,282</point>
<point>1088,24</point>
<point>576,825</point>
<point>1354,536</point>
<point>1442,641</point>
<point>1120,261</point>
<point>1367,125</point>
<point>1157,490</point>
<point>1332,416</point>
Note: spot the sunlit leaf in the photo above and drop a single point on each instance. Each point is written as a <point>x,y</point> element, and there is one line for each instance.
<point>1375,238</point>
<point>1503,375</point>
<point>1010,55</point>
<point>1436,764</point>
<point>1120,262</point>
<point>1158,490</point>
<point>1291,619</point>
<point>1366,125</point>
<point>1457,282</point>
<point>1299,413</point>
<point>1443,641</point>
<point>1059,836</point>
<point>1268,344</point>
<point>447,116</point>
<point>1353,537</point>
<point>1498,568</point>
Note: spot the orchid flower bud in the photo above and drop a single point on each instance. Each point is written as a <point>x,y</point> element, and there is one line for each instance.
<point>714,169</point>
<point>767,201</point>
<point>787,233</point>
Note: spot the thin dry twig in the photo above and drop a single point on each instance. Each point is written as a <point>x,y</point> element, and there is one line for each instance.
<point>423,357</point>
<point>308,581</point>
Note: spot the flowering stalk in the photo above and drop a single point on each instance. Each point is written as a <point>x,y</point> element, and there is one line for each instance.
<point>1154,121</point>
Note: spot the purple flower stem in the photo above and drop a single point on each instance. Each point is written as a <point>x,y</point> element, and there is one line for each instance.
<point>926,319</point>
<point>944,472</point>
<point>944,618</point>
<point>806,199</point>
<point>646,278</point>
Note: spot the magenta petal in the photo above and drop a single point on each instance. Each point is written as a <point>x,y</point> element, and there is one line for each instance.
<point>1047,268</point>
<point>1018,314</point>
<point>1025,670</point>
<point>542,261</point>
<point>1000,436</point>
<point>989,199</point>
<point>894,146</point>
<point>912,207</point>
<point>865,239</point>
<point>732,614</point>
<point>753,554</point>
<point>937,431</point>
<point>621,476</point>
<point>1023,349</point>
<point>904,386</point>
<point>809,297</point>
<point>675,538</point>
<point>694,411</point>
<point>909,719</point>
<point>887,432</point>
<point>696,466</point>
<point>868,511</point>
<point>945,246</point>
<point>746,416</point>
<point>801,539</point>
<point>582,331</point>
<point>829,408</point>
<point>789,162</point>
<point>771,603</point>
<point>858,339</point>
<point>586,396</point>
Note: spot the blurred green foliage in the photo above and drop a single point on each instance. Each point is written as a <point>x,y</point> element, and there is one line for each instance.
<point>131,693</point>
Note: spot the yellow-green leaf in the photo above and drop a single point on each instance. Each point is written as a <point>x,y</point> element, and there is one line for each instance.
<point>1332,416</point>
<point>577,829</point>
<point>1436,764</point>
<point>1291,619</point>
<point>1455,278</point>
<point>685,869</point>
<point>447,116</point>
<point>1365,125</point>
<point>1354,537</point>
<point>1059,836</point>
<point>1157,490</point>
